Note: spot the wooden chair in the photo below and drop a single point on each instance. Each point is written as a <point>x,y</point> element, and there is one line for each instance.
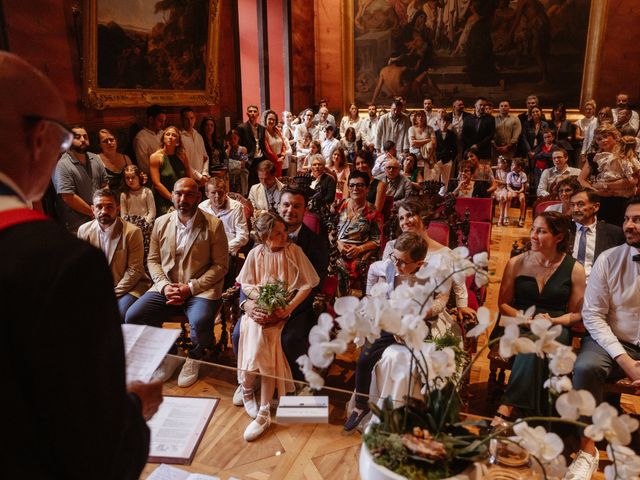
<point>439,232</point>
<point>542,206</point>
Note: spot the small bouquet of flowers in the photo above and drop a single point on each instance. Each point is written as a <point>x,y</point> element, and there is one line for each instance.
<point>273,296</point>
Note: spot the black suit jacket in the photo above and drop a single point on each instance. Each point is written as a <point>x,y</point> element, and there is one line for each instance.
<point>446,148</point>
<point>68,410</point>
<point>479,131</point>
<point>326,189</point>
<point>449,116</point>
<point>248,141</point>
<point>607,236</point>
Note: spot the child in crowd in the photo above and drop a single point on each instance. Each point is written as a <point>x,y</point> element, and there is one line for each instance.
<point>259,349</point>
<point>408,255</point>
<point>501,193</point>
<point>316,150</point>
<point>349,144</point>
<point>137,205</point>
<point>303,150</point>
<point>516,185</point>
<point>238,173</point>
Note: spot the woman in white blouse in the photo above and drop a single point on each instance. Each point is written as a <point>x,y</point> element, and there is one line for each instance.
<point>586,126</point>
<point>351,120</point>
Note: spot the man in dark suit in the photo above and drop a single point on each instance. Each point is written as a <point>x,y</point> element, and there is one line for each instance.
<point>295,335</point>
<point>251,135</point>
<point>591,237</point>
<point>478,130</point>
<point>69,411</point>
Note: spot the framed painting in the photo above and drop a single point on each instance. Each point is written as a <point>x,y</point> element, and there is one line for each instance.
<point>448,49</point>
<point>150,52</point>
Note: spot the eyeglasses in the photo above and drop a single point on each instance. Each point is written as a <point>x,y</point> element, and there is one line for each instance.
<point>398,262</point>
<point>65,133</point>
<point>357,185</point>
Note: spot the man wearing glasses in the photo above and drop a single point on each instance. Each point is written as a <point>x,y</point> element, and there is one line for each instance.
<point>398,186</point>
<point>68,408</point>
<point>79,173</point>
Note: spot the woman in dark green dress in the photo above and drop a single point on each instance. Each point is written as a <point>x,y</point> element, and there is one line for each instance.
<point>548,277</point>
<point>167,166</point>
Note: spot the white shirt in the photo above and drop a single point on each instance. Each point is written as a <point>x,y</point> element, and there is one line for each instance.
<point>634,121</point>
<point>432,119</point>
<point>381,161</point>
<point>233,220</point>
<point>193,144</point>
<point>261,199</point>
<point>456,124</point>
<point>611,310</point>
<point>329,146</point>
<point>588,127</point>
<point>106,236</point>
<point>550,174</point>
<point>368,130</point>
<point>591,245</point>
<point>183,231</point>
<point>346,122</point>
<point>145,144</point>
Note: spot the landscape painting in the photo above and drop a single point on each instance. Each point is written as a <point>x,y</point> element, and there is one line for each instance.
<point>160,47</point>
<point>447,49</point>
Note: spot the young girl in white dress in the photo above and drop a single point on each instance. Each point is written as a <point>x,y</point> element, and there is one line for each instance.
<point>259,348</point>
<point>137,205</point>
<point>501,194</point>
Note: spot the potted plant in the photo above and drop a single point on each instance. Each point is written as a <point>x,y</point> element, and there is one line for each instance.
<point>427,438</point>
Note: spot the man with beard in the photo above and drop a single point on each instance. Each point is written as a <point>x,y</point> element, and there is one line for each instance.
<point>187,262</point>
<point>123,246</point>
<point>611,348</point>
<point>294,337</point>
<point>78,174</point>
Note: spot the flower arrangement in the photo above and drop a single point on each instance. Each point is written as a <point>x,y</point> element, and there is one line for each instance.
<point>273,296</point>
<point>426,438</point>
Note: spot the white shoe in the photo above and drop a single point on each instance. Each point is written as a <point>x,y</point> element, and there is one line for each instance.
<point>583,467</point>
<point>189,373</point>
<point>249,402</point>
<point>165,371</point>
<point>256,428</point>
<point>237,397</point>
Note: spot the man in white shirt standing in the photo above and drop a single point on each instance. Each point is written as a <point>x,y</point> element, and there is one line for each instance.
<point>147,141</point>
<point>394,125</point>
<point>508,129</point>
<point>368,128</point>
<point>231,213</point>
<point>560,170</point>
<point>611,315</point>
<point>432,117</point>
<point>622,100</point>
<point>193,144</point>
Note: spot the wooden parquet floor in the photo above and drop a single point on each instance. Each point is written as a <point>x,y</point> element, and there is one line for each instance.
<point>323,451</point>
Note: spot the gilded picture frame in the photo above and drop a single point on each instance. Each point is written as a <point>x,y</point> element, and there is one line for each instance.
<point>162,53</point>
<point>351,55</point>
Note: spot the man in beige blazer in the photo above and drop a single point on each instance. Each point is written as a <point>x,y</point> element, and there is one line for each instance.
<point>123,246</point>
<point>187,262</point>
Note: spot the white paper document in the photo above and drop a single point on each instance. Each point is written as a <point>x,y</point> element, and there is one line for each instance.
<point>177,427</point>
<point>165,472</point>
<point>145,348</point>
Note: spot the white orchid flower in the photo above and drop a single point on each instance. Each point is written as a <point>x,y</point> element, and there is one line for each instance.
<point>323,353</point>
<point>562,360</point>
<point>315,381</point>
<point>538,442</point>
<point>481,259</point>
<point>483,315</point>
<point>546,333</point>
<point>574,403</point>
<point>321,331</point>
<point>554,470</point>
<point>460,253</point>
<point>481,278</point>
<point>607,424</point>
<point>380,289</point>
<point>559,384</point>
<point>391,320</point>
<point>626,464</point>
<point>520,318</point>
<point>512,343</point>
<point>413,331</point>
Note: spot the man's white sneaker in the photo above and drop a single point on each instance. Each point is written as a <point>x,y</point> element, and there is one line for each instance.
<point>189,373</point>
<point>583,467</point>
<point>165,371</point>
<point>237,397</point>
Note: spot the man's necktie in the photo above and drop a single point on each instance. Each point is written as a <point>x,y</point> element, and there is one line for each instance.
<point>582,245</point>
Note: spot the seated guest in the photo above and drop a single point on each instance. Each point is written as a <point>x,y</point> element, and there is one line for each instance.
<point>265,195</point>
<point>548,277</point>
<point>409,252</point>
<point>542,157</point>
<point>411,170</point>
<point>323,184</point>
<point>468,187</point>
<point>78,174</point>
<point>550,176</point>
<point>377,192</point>
<point>482,170</point>
<point>329,145</point>
<point>591,237</point>
<point>260,349</point>
<point>341,170</point>
<point>231,213</point>
<point>566,187</point>
<point>166,166</point>
<point>389,151</point>
<point>516,185</point>
<point>398,186</point>
<point>314,150</point>
<point>611,310</point>
<point>123,246</point>
<point>137,205</point>
<point>295,335</point>
<point>358,232</point>
<point>187,262</point>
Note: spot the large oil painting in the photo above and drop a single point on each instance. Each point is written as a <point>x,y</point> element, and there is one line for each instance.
<point>465,48</point>
<point>140,52</point>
